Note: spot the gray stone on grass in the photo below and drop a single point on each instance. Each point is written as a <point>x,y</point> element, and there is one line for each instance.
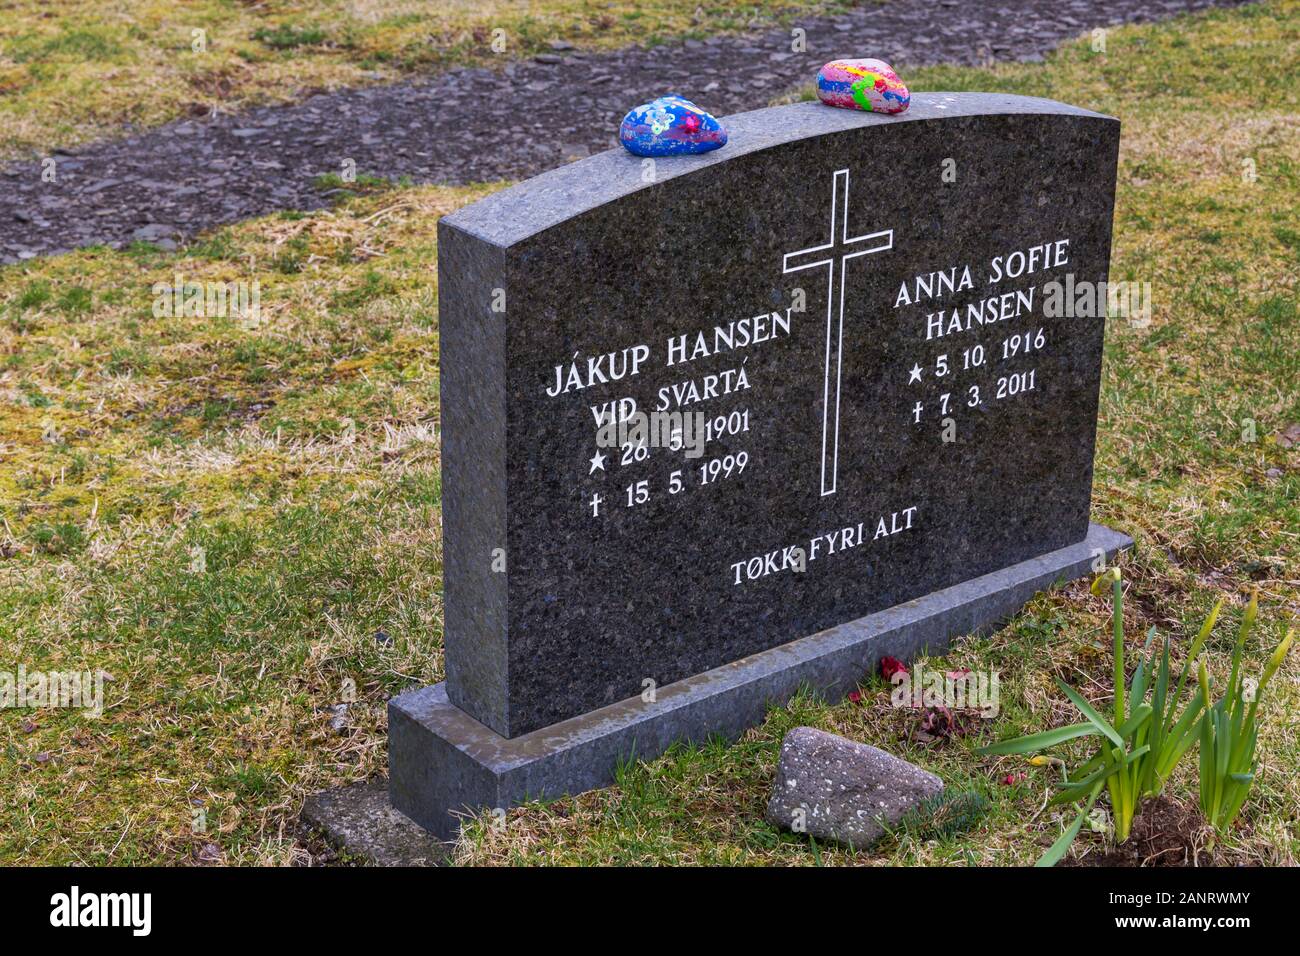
<point>843,791</point>
<point>360,819</point>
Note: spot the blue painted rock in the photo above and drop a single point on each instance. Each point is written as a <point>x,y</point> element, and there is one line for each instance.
<point>870,85</point>
<point>670,126</point>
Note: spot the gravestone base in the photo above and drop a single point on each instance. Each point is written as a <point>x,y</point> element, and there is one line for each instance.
<point>442,762</point>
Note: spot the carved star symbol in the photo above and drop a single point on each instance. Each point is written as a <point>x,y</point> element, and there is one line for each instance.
<point>597,462</point>
<point>915,374</point>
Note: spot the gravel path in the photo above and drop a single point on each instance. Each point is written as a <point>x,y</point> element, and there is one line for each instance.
<point>476,125</point>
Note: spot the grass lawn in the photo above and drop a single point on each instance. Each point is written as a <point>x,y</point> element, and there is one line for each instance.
<point>239,521</point>
<point>77,70</point>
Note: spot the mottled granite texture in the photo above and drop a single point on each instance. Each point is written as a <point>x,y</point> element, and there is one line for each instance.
<point>833,788</point>
<point>611,254</point>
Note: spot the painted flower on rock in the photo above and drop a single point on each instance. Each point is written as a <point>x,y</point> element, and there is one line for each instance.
<point>670,126</point>
<point>870,85</point>
<point>659,119</point>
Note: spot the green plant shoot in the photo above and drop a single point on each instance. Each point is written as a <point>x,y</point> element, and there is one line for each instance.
<point>1230,732</point>
<point>1141,743</point>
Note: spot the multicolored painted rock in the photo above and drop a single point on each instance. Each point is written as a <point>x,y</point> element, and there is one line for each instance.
<point>670,126</point>
<point>870,85</point>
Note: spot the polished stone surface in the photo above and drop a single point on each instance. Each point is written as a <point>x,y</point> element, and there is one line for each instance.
<point>865,448</point>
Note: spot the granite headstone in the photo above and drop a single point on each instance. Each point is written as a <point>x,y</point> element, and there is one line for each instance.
<point>718,425</point>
